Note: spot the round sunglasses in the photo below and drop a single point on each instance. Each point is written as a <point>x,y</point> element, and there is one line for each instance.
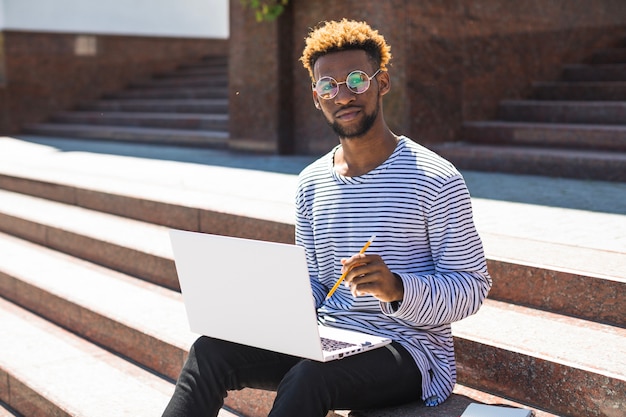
<point>357,81</point>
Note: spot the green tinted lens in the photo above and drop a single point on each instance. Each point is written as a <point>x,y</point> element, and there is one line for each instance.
<point>326,87</point>
<point>358,81</point>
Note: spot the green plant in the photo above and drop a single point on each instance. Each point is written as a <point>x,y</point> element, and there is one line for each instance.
<point>266,10</point>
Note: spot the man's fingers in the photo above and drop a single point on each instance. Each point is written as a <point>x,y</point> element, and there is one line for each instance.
<point>358,259</point>
<point>365,288</point>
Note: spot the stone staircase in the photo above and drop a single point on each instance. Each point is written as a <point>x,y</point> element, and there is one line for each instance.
<point>574,127</point>
<point>188,107</point>
<point>93,323</point>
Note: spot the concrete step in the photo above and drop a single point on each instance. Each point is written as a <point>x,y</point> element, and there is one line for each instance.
<point>578,120</point>
<point>510,257</point>
<point>549,135</point>
<point>211,60</point>
<point>6,411</point>
<point>139,320</point>
<point>609,56</point>
<point>70,376</point>
<point>169,93</point>
<point>54,380</point>
<point>216,61</point>
<point>85,229</point>
<point>207,106</point>
<point>581,90</point>
<point>136,320</point>
<point>214,67</point>
<point>200,69</point>
<point>560,278</point>
<point>175,193</point>
<point>507,240</point>
<point>118,243</point>
<point>598,72</point>
<point>527,160</point>
<point>516,249</point>
<point>566,365</point>
<point>142,322</point>
<point>183,81</point>
<point>130,246</point>
<point>455,406</point>
<point>212,122</point>
<point>568,112</point>
<point>193,93</point>
<point>190,196</point>
<point>181,137</point>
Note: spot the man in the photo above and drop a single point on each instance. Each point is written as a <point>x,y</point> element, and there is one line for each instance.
<point>425,269</point>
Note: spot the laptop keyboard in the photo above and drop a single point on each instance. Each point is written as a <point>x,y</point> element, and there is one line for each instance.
<point>330,345</point>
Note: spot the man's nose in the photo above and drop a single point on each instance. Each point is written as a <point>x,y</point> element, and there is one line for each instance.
<point>344,95</point>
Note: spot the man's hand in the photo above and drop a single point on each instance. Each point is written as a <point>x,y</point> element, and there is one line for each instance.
<point>369,275</point>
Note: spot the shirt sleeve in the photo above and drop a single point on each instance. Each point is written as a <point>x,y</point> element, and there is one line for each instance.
<point>460,281</point>
<point>304,238</point>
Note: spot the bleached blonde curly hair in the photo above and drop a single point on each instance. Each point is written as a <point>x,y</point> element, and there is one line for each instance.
<point>335,36</point>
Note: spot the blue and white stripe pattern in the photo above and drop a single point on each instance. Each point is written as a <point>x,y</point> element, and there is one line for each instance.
<point>418,206</point>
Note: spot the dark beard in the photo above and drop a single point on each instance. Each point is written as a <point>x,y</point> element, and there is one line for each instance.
<point>359,130</point>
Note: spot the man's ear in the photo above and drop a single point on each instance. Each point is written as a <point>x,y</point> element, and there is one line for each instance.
<point>384,83</point>
<point>316,101</point>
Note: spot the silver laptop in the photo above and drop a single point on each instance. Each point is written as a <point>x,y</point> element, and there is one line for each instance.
<point>257,293</point>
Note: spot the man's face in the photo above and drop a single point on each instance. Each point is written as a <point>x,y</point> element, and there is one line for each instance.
<point>349,114</point>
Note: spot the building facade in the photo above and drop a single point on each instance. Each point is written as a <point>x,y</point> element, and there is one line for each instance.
<point>54,53</point>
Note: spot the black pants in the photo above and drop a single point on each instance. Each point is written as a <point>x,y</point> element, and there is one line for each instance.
<point>380,377</point>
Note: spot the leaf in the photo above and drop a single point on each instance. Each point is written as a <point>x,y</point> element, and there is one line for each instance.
<point>266,10</point>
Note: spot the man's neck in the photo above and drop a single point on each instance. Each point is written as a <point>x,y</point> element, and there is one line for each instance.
<point>358,156</point>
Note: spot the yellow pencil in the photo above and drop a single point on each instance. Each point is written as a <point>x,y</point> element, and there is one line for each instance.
<point>341,278</point>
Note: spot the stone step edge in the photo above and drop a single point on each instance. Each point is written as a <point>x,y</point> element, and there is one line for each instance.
<point>541,291</point>
<point>191,94</point>
<point>180,137</point>
<point>87,129</point>
<point>593,72</point>
<point>139,320</point>
<point>551,162</point>
<point>564,103</point>
<point>52,307</point>
<point>546,125</point>
<point>150,258</point>
<point>535,151</point>
<point>39,379</point>
<point>154,261</point>
<point>72,366</point>
<point>218,106</point>
<point>454,406</point>
<point>180,82</point>
<point>520,367</point>
<point>553,111</point>
<point>167,91</point>
<point>139,203</point>
<point>606,84</point>
<point>162,205</point>
<point>595,137</point>
<point>188,216</point>
<point>217,117</point>
<point>220,101</point>
<point>7,411</point>
<point>250,403</point>
<point>188,122</point>
<point>546,128</point>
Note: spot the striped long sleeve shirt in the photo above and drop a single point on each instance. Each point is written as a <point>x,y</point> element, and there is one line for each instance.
<point>418,206</point>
